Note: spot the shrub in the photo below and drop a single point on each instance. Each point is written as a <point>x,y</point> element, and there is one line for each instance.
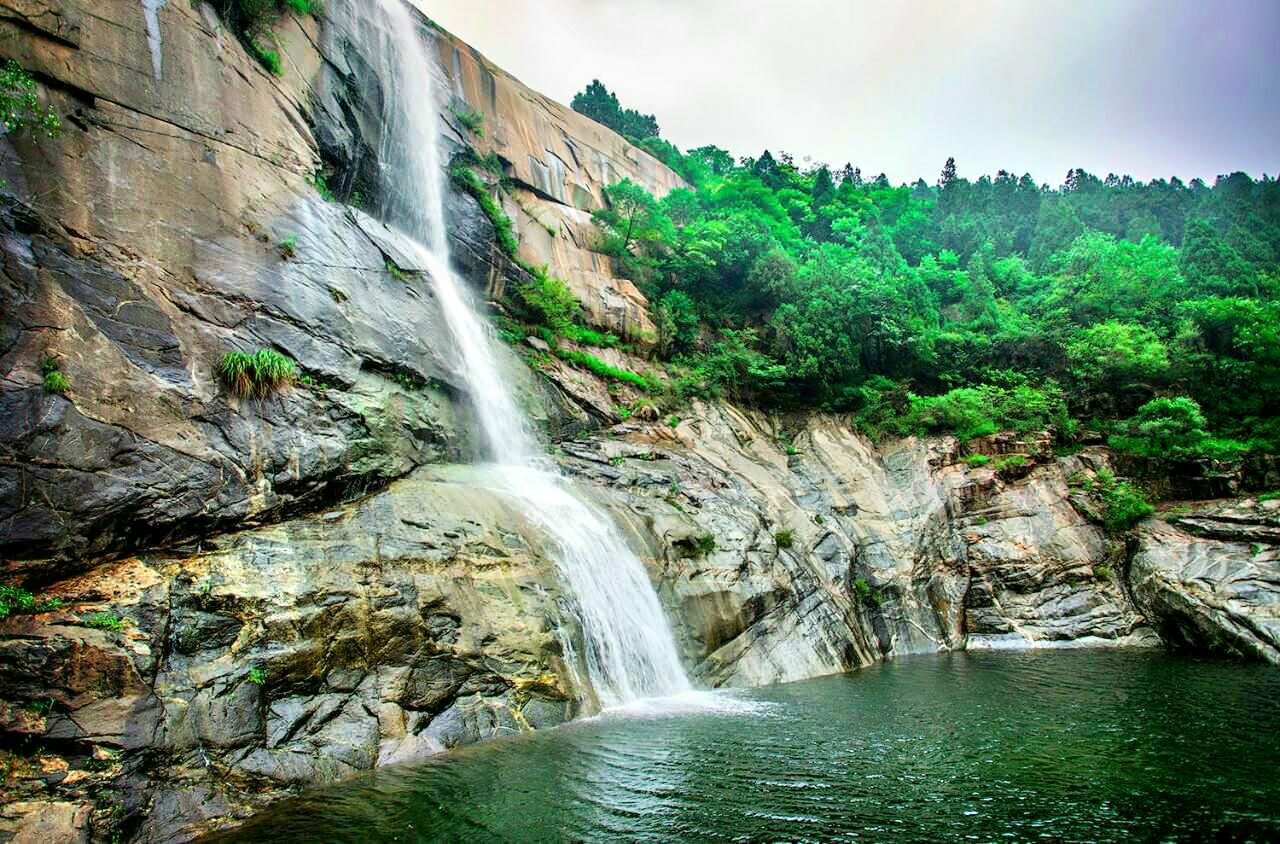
<point>1103,571</point>
<point>54,380</point>
<point>975,460</point>
<point>394,270</point>
<point>1173,428</point>
<point>1010,461</point>
<point>288,248</point>
<point>257,676</point>
<point>704,544</point>
<point>20,110</point>
<point>504,233</point>
<point>1123,504</point>
<point>969,412</point>
<point>1116,354</point>
<point>586,336</point>
<point>270,58</point>
<point>550,301</point>
<point>1269,496</point>
<point>317,181</point>
<point>783,538</point>
<point>258,374</point>
<point>598,367</point>
<point>864,593</point>
<point>105,620</point>
<point>253,20</point>
<point>473,120</point>
<point>15,599</point>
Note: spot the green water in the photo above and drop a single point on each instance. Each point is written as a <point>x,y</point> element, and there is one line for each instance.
<point>1096,746</point>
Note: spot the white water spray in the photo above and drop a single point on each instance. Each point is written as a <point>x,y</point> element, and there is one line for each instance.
<point>629,650</point>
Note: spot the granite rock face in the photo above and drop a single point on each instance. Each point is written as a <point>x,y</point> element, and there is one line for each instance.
<point>149,240</point>
<point>1210,580</point>
<point>247,665</point>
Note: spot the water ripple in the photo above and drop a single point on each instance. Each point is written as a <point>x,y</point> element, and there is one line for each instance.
<point>990,747</point>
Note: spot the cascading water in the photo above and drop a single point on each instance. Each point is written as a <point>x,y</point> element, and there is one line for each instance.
<point>629,650</point>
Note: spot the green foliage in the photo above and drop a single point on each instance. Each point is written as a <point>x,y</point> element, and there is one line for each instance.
<point>270,58</point>
<point>549,301</point>
<point>959,306</point>
<point>1103,572</point>
<point>473,120</point>
<point>975,460</point>
<point>393,269</point>
<point>969,412</point>
<point>1010,461</point>
<point>598,367</point>
<point>783,538</point>
<point>598,103</point>
<point>258,374</point>
<point>254,18</point>
<point>704,544</point>
<point>15,599</point>
<point>865,594</point>
<point>54,381</point>
<point>288,248</point>
<point>467,181</point>
<point>20,109</point>
<point>257,676</point>
<point>1269,496</point>
<point>317,180</point>
<point>1117,355</point>
<point>1123,504</point>
<point>1173,428</point>
<point>105,620</point>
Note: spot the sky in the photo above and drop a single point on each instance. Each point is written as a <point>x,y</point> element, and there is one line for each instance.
<point>1149,88</point>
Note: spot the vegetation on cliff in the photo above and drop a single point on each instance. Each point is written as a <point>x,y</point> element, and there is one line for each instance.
<point>1148,309</point>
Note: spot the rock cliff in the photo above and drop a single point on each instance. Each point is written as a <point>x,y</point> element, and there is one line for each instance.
<point>259,595</point>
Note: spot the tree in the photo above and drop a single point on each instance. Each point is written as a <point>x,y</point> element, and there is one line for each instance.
<point>633,217</point>
<point>948,174</point>
<point>824,189</point>
<point>677,321</point>
<point>20,110</point>
<point>1116,356</point>
<point>1165,427</point>
<point>602,106</point>
<point>1211,266</point>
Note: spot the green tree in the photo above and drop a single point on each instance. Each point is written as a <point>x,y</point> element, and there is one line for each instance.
<point>1116,356</point>
<point>20,109</point>
<point>601,105</point>
<point>1165,427</point>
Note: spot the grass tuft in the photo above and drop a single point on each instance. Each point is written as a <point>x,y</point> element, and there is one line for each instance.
<point>258,374</point>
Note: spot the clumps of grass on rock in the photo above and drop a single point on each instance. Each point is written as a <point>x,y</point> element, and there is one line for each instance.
<point>258,374</point>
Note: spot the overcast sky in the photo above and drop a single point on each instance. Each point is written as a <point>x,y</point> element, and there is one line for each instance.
<point>1145,87</point>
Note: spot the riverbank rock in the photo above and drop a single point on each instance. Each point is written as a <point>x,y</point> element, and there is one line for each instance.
<point>1210,578</point>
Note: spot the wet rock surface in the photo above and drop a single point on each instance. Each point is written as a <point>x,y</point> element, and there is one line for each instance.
<point>1210,579</point>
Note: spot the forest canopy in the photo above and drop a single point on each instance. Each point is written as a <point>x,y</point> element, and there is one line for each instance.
<point>1148,310</point>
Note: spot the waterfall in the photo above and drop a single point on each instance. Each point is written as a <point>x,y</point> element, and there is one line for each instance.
<point>628,649</point>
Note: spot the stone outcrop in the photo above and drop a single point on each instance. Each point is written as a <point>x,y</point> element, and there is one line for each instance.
<point>1210,579</point>
<point>259,595</point>
<point>148,240</point>
<point>428,615</point>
